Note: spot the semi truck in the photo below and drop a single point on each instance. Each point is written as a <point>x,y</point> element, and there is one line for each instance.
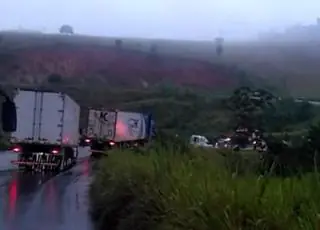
<point>47,132</point>
<point>109,129</point>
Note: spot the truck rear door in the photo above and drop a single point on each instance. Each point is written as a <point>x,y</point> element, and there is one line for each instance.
<point>101,124</point>
<point>51,118</point>
<point>27,111</point>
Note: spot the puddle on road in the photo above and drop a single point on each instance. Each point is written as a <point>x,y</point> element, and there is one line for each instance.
<point>36,202</point>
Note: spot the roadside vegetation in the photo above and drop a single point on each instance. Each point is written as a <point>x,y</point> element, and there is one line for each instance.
<point>164,188</point>
<point>171,185</point>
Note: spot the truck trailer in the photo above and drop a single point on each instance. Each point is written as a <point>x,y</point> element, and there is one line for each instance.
<point>109,129</point>
<point>47,132</point>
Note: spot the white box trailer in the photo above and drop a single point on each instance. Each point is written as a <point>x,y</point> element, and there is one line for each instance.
<point>46,117</point>
<point>130,126</point>
<point>47,124</point>
<point>117,126</point>
<point>105,127</point>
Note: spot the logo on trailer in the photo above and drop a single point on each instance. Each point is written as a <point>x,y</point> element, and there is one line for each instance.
<point>103,116</point>
<point>133,127</point>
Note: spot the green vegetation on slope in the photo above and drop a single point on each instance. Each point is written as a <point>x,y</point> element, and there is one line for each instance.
<point>164,189</point>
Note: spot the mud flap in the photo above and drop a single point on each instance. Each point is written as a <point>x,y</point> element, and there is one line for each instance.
<point>62,162</point>
<point>76,155</point>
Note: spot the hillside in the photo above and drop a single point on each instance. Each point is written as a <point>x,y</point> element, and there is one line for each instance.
<point>32,59</point>
<point>291,65</point>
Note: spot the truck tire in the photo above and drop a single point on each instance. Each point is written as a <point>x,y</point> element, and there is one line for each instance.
<point>24,157</point>
<point>75,155</point>
<point>76,151</point>
<point>66,163</point>
<point>97,146</point>
<point>59,165</point>
<point>68,158</point>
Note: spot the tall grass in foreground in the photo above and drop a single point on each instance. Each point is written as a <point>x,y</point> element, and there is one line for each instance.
<point>198,190</point>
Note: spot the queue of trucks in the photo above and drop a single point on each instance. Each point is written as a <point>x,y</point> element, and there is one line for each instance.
<point>45,129</point>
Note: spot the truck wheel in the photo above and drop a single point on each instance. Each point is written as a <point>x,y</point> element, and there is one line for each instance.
<point>63,165</point>
<point>76,151</point>
<point>70,162</point>
<point>58,160</point>
<point>75,155</point>
<point>24,157</point>
<point>68,158</point>
<point>21,158</point>
<point>72,155</point>
<point>43,159</point>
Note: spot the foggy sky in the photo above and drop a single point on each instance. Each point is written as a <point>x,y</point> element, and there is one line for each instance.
<point>174,19</point>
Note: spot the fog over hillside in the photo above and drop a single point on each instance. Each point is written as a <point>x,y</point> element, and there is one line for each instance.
<point>170,19</point>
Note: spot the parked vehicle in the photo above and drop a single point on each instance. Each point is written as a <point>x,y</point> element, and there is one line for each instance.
<point>112,129</point>
<point>223,143</point>
<point>47,131</point>
<point>200,141</point>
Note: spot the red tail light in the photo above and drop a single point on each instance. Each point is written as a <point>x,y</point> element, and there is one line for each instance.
<point>55,151</point>
<point>87,140</point>
<point>112,143</point>
<point>16,149</point>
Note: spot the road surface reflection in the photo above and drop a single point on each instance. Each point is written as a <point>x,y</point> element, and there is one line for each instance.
<point>43,201</point>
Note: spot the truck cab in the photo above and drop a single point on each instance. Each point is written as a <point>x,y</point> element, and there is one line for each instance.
<point>200,141</point>
<point>8,113</point>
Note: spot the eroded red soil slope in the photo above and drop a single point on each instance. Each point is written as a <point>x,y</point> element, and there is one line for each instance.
<point>109,65</point>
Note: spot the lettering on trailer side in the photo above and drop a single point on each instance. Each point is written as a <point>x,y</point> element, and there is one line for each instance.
<point>105,121</point>
<point>103,116</point>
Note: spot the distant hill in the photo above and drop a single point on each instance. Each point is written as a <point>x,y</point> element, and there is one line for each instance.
<point>38,58</point>
<point>33,58</point>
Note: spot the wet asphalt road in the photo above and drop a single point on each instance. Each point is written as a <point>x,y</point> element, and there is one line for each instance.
<point>42,201</point>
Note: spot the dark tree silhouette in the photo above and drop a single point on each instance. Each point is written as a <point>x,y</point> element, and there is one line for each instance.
<point>66,29</point>
<point>249,105</point>
<point>153,49</point>
<point>54,78</point>
<point>153,54</point>
<point>219,45</point>
<point>118,43</point>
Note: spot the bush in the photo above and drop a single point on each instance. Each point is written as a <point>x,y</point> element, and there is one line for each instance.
<point>299,156</point>
<point>165,190</point>
<point>54,78</point>
<point>4,142</point>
